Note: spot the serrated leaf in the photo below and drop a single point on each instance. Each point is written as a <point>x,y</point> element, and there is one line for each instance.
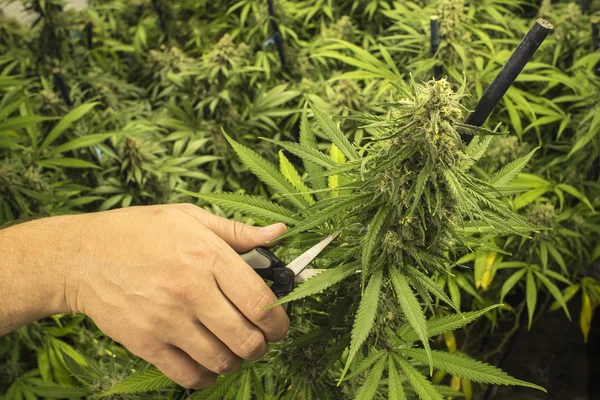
<point>216,391</point>
<point>365,364</point>
<point>437,326</point>
<point>370,238</point>
<point>433,288</point>
<point>267,173</point>
<point>251,206</point>
<point>59,392</point>
<point>318,283</point>
<point>306,154</point>
<point>334,134</point>
<point>395,388</point>
<point>419,383</point>
<point>365,317</point>
<point>465,367</point>
<point>410,307</point>
<point>292,175</point>
<point>505,176</point>
<point>150,380</point>
<point>369,387</point>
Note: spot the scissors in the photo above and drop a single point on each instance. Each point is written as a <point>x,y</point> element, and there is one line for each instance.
<point>284,276</point>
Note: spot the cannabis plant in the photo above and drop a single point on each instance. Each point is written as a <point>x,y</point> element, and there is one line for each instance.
<point>403,203</point>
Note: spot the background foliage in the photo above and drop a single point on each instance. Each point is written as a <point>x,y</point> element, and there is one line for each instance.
<point>124,104</point>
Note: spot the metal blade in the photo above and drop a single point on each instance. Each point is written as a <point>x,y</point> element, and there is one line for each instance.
<point>307,274</point>
<point>300,263</point>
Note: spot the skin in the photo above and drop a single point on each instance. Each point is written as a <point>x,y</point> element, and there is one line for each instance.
<point>164,281</point>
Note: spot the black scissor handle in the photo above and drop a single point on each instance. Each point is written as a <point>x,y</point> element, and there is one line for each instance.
<point>268,266</point>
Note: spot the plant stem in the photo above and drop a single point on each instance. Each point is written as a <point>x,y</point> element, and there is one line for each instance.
<point>276,32</point>
<point>509,72</point>
<point>434,23</point>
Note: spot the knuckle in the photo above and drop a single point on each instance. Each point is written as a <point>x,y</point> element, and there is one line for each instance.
<point>196,381</point>
<point>253,347</point>
<point>227,366</point>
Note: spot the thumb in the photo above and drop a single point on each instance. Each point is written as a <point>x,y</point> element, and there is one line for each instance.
<point>239,236</point>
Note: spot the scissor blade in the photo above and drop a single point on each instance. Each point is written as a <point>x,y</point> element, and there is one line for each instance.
<point>303,261</point>
<point>308,274</point>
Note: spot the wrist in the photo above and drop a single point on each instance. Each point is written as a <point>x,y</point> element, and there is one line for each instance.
<point>34,271</point>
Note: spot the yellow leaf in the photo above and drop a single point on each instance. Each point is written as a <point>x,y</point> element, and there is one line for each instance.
<point>488,274</point>
<point>455,383</point>
<point>450,340</point>
<point>467,389</point>
<point>585,318</point>
<point>336,155</point>
<point>438,377</point>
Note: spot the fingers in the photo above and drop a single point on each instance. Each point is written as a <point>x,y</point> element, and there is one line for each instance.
<point>204,347</point>
<point>180,368</point>
<point>239,236</point>
<point>248,293</point>
<point>232,328</point>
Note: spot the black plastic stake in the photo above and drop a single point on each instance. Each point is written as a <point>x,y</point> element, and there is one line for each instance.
<point>434,23</point>
<point>509,72</point>
<point>59,81</point>
<point>276,32</point>
<point>584,6</point>
<point>161,17</point>
<point>596,43</point>
<point>89,33</point>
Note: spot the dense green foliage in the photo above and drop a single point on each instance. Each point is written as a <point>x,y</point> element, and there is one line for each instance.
<point>135,102</point>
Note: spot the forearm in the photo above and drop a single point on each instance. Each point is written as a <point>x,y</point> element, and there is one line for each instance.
<point>32,273</point>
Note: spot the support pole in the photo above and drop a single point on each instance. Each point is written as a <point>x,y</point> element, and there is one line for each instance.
<point>276,33</point>
<point>509,72</point>
<point>434,23</point>
<point>59,81</point>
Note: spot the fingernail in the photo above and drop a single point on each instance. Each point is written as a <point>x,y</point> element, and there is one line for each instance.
<point>269,228</point>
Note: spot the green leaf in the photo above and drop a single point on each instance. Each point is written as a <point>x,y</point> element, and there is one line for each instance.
<point>366,363</point>
<point>395,388</point>
<point>531,294</point>
<point>370,238</point>
<point>292,175</point>
<point>334,134</point>
<point>433,287</point>
<point>85,141</point>
<point>150,380</point>
<point>511,282</point>
<point>218,390</point>
<point>576,193</point>
<point>66,163</point>
<point>307,154</point>
<point>465,367</point>
<point>410,307</point>
<point>21,122</point>
<point>365,316</point>
<point>66,123</point>
<point>437,326</point>
<point>251,206</point>
<point>369,387</point>
<point>60,392</point>
<point>267,173</point>
<point>420,384</point>
<point>557,257</point>
<point>554,291</point>
<point>504,177</point>
<point>318,283</point>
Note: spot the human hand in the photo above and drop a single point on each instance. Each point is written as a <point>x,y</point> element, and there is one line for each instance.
<point>168,284</point>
